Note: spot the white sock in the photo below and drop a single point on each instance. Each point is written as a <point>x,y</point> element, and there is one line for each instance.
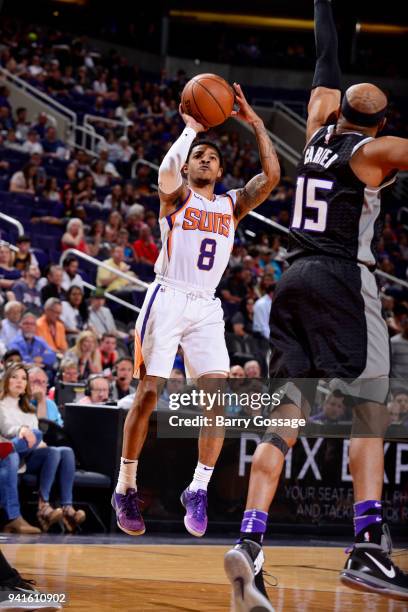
<point>201,478</point>
<point>127,475</point>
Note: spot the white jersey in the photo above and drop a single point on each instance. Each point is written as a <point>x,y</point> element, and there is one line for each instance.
<point>197,240</point>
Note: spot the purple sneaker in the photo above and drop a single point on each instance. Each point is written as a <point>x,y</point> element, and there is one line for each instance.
<point>128,514</point>
<point>195,502</point>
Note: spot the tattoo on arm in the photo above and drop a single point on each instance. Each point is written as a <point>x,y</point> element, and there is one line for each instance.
<point>260,186</point>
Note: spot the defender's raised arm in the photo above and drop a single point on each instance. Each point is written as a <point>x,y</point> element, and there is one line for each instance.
<point>325,97</point>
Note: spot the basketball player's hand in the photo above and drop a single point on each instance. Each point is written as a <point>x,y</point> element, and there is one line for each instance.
<point>191,122</point>
<point>245,112</point>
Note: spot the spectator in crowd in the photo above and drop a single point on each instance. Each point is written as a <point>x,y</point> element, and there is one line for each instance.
<point>262,312</point>
<point>100,317</point>
<point>24,257</point>
<point>110,280</point>
<point>50,327</point>
<point>19,423</point>
<point>32,143</point>
<point>22,125</point>
<point>11,356</point>
<point>399,355</point>
<point>86,354</point>
<point>23,181</point>
<point>74,236</point>
<point>394,412</point>
<point>146,252</point>
<point>123,241</point>
<point>401,400</point>
<point>98,390</point>
<point>107,348</point>
<point>74,311</point>
<point>51,191</point>
<point>114,200</point>
<point>123,375</point>
<point>25,290</point>
<point>70,274</point>
<point>54,288</point>
<point>53,147</point>
<point>237,371</point>
<point>8,273</point>
<point>232,288</point>
<point>175,384</point>
<point>10,324</point>
<point>33,348</point>
<point>67,373</point>
<point>333,409</point>
<point>244,318</point>
<point>45,408</point>
<point>252,369</point>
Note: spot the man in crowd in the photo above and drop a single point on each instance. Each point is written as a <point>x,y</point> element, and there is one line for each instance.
<point>146,251</point>
<point>32,348</point>
<point>123,373</point>
<point>50,328</point>
<point>10,324</point>
<point>262,312</point>
<point>100,317</point>
<point>333,409</point>
<point>54,286</point>
<point>110,280</point>
<point>25,290</point>
<point>97,392</point>
<point>70,276</point>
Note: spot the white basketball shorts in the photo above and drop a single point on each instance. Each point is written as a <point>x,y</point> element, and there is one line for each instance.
<point>173,315</point>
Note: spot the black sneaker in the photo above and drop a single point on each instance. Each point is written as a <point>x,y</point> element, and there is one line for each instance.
<point>370,568</point>
<point>15,593</point>
<point>243,566</point>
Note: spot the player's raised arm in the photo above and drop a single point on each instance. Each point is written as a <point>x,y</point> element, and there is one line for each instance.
<point>325,97</point>
<point>171,184</point>
<point>260,186</point>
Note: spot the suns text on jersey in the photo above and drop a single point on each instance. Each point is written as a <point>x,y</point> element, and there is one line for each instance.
<point>320,155</point>
<point>206,221</point>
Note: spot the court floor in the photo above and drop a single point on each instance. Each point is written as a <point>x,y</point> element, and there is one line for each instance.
<point>184,577</point>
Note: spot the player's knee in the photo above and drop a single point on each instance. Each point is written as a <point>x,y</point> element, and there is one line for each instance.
<point>146,397</point>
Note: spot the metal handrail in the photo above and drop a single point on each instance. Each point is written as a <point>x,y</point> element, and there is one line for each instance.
<point>88,119</point>
<point>85,132</point>
<point>113,298</point>
<point>280,145</point>
<point>14,222</point>
<point>101,264</point>
<point>37,93</point>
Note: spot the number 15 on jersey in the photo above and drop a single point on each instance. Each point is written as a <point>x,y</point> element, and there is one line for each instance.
<point>306,200</point>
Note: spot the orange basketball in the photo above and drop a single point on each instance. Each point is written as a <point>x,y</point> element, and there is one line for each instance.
<point>208,98</point>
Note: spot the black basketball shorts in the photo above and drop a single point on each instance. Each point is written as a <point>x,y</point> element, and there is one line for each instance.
<point>326,322</point>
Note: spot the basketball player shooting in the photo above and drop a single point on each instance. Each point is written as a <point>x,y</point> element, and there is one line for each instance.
<point>326,318</point>
<point>197,233</point>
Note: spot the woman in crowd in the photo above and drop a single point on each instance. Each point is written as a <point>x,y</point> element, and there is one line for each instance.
<point>74,311</point>
<point>23,181</point>
<point>86,354</point>
<point>8,273</point>
<point>19,423</point>
<point>74,236</point>
<point>51,191</point>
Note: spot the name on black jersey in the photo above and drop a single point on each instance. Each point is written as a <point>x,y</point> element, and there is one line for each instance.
<point>320,155</point>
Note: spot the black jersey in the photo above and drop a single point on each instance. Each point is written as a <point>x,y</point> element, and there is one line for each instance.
<point>334,212</point>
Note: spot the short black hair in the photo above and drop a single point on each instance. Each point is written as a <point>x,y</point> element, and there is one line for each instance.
<point>11,353</point>
<point>208,143</point>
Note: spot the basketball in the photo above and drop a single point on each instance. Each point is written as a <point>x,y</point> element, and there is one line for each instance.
<point>208,98</point>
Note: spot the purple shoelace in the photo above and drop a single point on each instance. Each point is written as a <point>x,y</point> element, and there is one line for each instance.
<point>130,504</point>
<point>199,500</point>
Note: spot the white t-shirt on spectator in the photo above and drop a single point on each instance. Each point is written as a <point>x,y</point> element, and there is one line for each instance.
<point>68,282</point>
<point>69,316</point>
<point>33,147</point>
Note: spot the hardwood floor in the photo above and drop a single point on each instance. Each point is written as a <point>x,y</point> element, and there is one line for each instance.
<point>187,578</point>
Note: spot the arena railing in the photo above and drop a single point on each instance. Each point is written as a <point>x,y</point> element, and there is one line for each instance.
<point>77,134</point>
<point>100,264</point>
<point>12,221</point>
<point>89,119</point>
<point>297,119</point>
